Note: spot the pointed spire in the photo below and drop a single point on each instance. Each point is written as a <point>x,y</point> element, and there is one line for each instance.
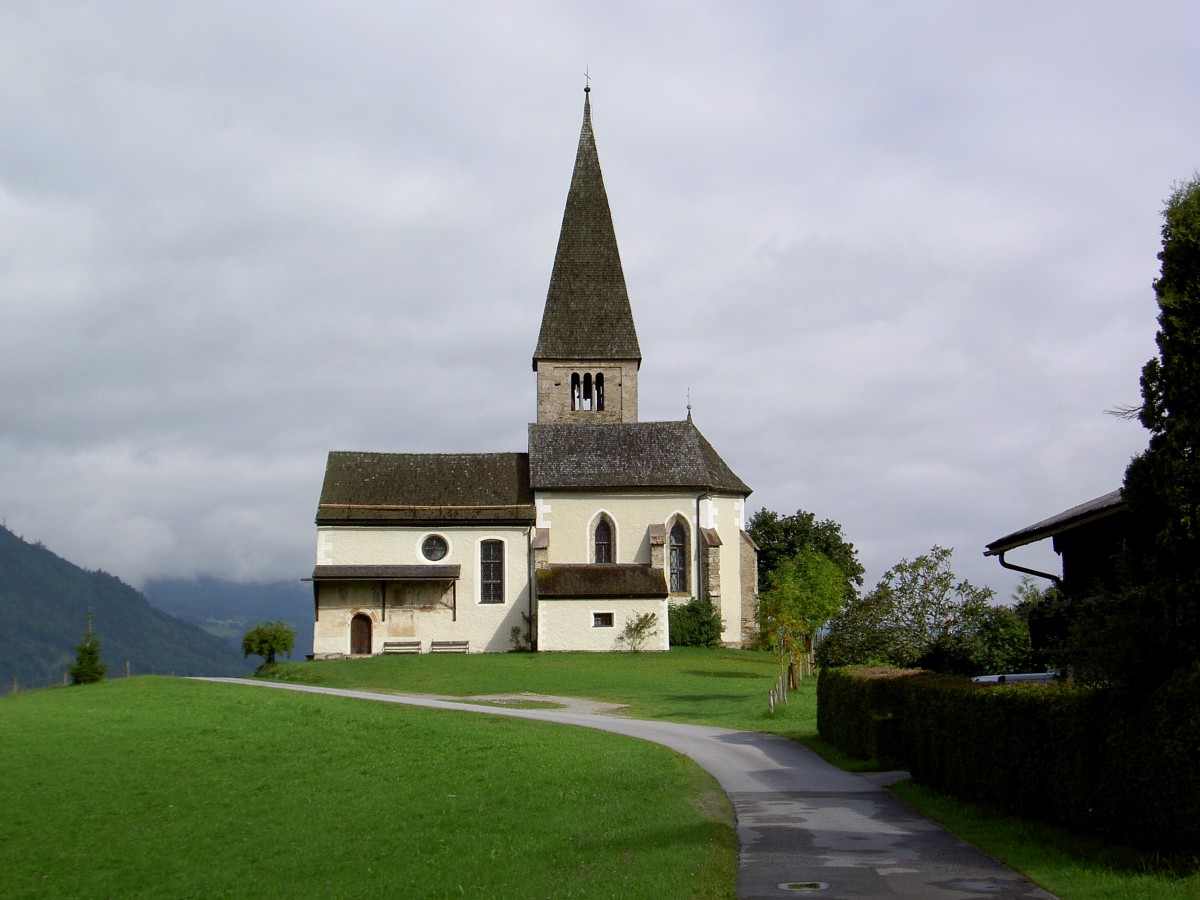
<point>587,314</point>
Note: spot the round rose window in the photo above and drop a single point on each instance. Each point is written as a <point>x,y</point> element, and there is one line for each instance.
<point>434,547</point>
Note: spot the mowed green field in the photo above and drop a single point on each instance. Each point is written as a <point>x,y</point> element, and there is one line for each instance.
<point>728,688</point>
<point>160,787</point>
<point>702,686</point>
<point>156,787</point>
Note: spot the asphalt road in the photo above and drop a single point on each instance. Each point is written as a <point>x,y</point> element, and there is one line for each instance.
<point>805,827</point>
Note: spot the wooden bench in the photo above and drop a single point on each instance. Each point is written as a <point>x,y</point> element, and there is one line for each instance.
<point>401,646</point>
<point>448,646</point>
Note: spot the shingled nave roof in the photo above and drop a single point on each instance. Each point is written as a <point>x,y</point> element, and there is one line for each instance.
<point>408,488</point>
<point>627,456</point>
<point>587,314</point>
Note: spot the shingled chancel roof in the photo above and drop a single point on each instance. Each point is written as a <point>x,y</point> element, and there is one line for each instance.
<point>640,455</point>
<point>587,313</point>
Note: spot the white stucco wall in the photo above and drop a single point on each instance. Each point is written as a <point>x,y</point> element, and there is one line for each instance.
<point>569,624</point>
<point>727,514</point>
<point>571,517</point>
<point>421,611</point>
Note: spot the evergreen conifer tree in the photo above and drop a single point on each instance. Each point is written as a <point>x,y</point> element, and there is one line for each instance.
<point>88,668</point>
<point>1160,609</point>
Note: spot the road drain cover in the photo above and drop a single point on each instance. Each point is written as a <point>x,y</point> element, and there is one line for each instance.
<point>804,886</point>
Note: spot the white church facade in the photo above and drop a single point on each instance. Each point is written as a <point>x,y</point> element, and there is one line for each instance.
<point>601,519</point>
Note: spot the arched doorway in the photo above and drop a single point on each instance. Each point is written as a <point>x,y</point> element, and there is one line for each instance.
<point>360,635</point>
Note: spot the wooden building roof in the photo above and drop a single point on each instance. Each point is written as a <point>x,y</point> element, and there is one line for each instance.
<point>1099,508</point>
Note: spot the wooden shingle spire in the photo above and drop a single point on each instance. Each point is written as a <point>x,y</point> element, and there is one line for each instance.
<point>587,314</point>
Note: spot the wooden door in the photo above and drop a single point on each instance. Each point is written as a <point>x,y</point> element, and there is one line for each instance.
<point>360,635</point>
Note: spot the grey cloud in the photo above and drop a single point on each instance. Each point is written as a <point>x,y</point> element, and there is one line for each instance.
<point>899,256</point>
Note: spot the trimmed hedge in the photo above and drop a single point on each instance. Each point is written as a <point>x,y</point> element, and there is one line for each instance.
<point>859,711</point>
<point>1096,761</point>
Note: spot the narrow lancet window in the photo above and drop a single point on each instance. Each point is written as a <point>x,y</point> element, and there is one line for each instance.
<point>576,399</point>
<point>679,558</point>
<point>599,391</point>
<point>604,541</point>
<point>587,390</point>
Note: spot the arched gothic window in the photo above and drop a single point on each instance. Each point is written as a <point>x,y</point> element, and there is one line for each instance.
<point>576,393</point>
<point>679,558</point>
<point>599,390</point>
<point>603,541</point>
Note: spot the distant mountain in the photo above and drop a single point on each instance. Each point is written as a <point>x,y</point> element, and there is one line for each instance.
<point>228,609</point>
<point>44,605</point>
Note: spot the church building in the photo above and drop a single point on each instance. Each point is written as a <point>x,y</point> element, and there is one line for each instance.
<point>601,520</point>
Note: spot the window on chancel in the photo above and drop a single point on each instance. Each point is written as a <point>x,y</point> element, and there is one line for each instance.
<point>679,558</point>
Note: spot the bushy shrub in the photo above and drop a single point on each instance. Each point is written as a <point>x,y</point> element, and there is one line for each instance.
<point>694,624</point>
<point>637,632</point>
<point>984,640</point>
<point>916,603</point>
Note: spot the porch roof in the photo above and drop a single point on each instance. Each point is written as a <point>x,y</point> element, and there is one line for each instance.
<point>386,573</point>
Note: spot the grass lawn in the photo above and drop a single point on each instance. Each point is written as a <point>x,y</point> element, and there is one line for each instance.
<point>158,787</point>
<point>1063,863</point>
<point>728,688</point>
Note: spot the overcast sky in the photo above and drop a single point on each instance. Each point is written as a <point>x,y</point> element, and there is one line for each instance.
<point>900,254</point>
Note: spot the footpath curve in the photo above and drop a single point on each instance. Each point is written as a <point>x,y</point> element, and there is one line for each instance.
<point>804,827</point>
